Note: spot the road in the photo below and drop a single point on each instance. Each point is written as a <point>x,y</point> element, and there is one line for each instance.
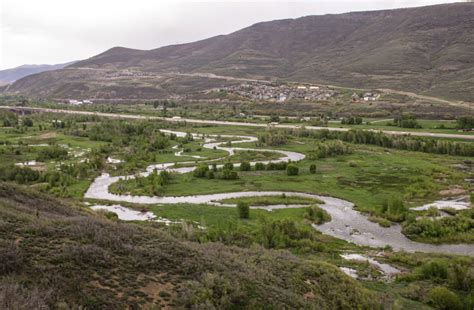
<point>230,123</point>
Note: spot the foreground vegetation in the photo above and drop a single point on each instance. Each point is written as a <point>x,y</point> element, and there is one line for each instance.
<point>94,262</point>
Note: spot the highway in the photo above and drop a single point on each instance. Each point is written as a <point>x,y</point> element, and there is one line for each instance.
<point>231,123</point>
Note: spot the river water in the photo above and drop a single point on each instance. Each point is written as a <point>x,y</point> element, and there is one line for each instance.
<point>347,223</point>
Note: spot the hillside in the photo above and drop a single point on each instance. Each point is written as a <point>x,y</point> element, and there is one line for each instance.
<point>56,254</point>
<point>427,50</point>
<point>8,76</point>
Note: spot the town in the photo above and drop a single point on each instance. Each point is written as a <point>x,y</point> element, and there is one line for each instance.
<point>280,92</point>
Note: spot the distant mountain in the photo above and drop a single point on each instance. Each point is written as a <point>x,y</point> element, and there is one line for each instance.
<point>428,50</point>
<point>11,75</point>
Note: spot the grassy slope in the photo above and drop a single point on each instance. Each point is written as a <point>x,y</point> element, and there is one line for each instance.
<point>56,253</point>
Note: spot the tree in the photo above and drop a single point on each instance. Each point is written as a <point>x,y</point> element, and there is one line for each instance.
<point>27,122</point>
<point>210,174</point>
<point>274,118</point>
<point>406,120</point>
<point>245,166</point>
<point>243,210</point>
<point>201,171</point>
<point>228,166</point>
<point>312,169</point>
<point>259,166</point>
<point>229,174</point>
<point>292,170</point>
<point>465,122</point>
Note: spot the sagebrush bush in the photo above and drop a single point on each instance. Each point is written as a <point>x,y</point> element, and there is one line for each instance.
<point>442,298</point>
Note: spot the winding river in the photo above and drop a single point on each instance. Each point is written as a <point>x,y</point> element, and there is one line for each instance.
<point>347,223</point>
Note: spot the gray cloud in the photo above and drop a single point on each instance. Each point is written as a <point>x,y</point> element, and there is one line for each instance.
<point>55,31</point>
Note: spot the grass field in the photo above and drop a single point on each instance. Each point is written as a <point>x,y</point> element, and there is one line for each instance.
<point>367,177</point>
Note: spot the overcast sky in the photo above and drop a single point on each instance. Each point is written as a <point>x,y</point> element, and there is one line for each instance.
<point>57,31</point>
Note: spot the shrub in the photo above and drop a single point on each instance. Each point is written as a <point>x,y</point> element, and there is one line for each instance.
<point>277,166</point>
<point>12,259</point>
<point>259,166</point>
<point>380,220</point>
<point>228,166</point>
<point>245,166</point>
<point>210,174</point>
<point>317,215</point>
<point>292,170</point>
<point>442,298</point>
<point>312,169</point>
<point>201,171</point>
<point>243,210</point>
<point>229,175</point>
<point>27,122</point>
<point>395,209</point>
<point>461,275</point>
<point>435,269</point>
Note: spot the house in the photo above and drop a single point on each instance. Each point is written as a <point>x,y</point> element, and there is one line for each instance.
<point>370,97</point>
<point>75,102</point>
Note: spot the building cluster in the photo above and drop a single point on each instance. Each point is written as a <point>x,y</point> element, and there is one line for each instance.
<point>79,102</point>
<point>127,74</point>
<point>280,93</point>
<point>365,97</point>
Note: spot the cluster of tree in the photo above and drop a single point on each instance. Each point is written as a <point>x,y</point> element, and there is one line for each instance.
<point>452,276</point>
<point>21,175</point>
<point>329,148</point>
<point>406,120</point>
<point>351,120</point>
<point>409,143</point>
<point>27,122</point>
<point>162,103</point>
<point>465,122</point>
<point>458,228</point>
<point>52,152</point>
<point>271,166</point>
<point>274,118</point>
<point>143,141</point>
<point>155,181</point>
<point>226,173</point>
<point>56,182</point>
<point>319,121</point>
<point>8,119</point>
<point>273,137</point>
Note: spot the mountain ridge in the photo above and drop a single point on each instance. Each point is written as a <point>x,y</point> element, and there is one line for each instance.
<point>11,75</point>
<point>427,50</point>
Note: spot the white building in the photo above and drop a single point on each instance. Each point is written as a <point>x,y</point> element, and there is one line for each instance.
<point>75,102</point>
